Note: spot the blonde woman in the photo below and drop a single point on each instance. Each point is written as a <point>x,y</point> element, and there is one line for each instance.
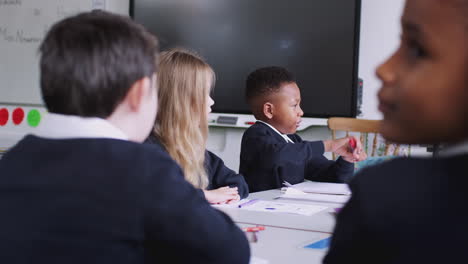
<point>184,84</point>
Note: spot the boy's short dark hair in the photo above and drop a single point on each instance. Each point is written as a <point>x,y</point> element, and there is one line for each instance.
<point>266,80</point>
<point>90,61</point>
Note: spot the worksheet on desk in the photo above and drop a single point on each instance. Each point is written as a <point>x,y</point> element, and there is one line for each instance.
<point>291,193</point>
<point>321,187</point>
<point>279,207</point>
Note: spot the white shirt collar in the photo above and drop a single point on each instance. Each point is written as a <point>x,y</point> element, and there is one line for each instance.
<point>454,150</point>
<point>56,126</point>
<point>279,133</point>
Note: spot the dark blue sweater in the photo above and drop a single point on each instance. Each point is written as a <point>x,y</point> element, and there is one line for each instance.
<point>267,160</point>
<point>407,210</point>
<point>218,174</point>
<point>107,201</point>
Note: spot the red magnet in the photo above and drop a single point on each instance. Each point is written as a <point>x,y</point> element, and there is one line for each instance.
<point>3,116</point>
<point>18,116</point>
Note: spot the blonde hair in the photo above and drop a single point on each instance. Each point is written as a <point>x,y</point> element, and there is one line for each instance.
<point>181,123</point>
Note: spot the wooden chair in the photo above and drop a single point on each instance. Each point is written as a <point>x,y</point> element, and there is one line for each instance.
<point>364,128</point>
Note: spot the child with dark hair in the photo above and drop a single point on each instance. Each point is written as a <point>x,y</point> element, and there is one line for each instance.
<point>271,152</point>
<point>412,210</point>
<point>91,192</point>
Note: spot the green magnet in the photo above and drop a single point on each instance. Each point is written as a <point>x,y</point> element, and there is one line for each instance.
<point>34,118</point>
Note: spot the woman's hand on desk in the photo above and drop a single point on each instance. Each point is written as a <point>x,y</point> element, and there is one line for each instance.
<point>222,195</point>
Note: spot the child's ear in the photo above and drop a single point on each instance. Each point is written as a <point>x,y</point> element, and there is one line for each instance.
<point>137,93</point>
<point>268,110</point>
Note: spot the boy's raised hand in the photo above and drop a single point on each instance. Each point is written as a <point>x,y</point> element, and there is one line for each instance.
<point>222,195</point>
<point>349,148</point>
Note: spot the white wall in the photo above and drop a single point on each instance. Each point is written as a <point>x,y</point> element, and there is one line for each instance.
<point>380,33</point>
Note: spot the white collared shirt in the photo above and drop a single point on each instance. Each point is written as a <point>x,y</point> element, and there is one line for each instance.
<point>288,140</point>
<point>56,126</point>
<point>454,150</point>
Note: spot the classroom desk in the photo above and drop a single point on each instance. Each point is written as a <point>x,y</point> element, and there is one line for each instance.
<point>320,222</point>
<point>285,235</point>
<point>279,246</point>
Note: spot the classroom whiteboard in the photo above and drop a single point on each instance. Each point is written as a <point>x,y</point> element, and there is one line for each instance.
<point>23,25</point>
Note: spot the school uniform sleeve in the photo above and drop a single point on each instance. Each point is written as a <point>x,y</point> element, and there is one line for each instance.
<point>269,144</point>
<point>180,213</point>
<point>325,170</point>
<point>320,168</point>
<point>221,176</point>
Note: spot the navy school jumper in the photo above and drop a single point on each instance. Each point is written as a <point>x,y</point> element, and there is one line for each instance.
<point>107,201</point>
<point>267,160</point>
<point>405,211</point>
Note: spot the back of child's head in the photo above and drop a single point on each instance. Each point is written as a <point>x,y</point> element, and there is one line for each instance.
<point>184,83</point>
<point>88,63</point>
<point>263,82</point>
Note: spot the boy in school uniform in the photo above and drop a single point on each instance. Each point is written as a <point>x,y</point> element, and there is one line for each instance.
<point>84,189</point>
<point>413,209</point>
<point>271,152</point>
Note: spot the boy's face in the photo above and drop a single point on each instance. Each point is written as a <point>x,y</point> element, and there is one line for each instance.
<point>425,84</point>
<point>287,112</point>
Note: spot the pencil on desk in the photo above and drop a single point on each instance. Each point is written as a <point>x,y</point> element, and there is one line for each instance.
<point>248,203</point>
<point>254,237</point>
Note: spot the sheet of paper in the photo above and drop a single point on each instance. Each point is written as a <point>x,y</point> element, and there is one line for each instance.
<point>280,207</point>
<point>321,187</point>
<point>291,193</point>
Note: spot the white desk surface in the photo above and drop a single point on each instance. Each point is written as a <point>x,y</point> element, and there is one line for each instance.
<point>320,222</point>
<point>280,246</point>
<point>285,235</point>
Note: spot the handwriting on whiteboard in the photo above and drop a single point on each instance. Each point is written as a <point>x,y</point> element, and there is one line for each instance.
<point>10,2</point>
<point>38,19</point>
